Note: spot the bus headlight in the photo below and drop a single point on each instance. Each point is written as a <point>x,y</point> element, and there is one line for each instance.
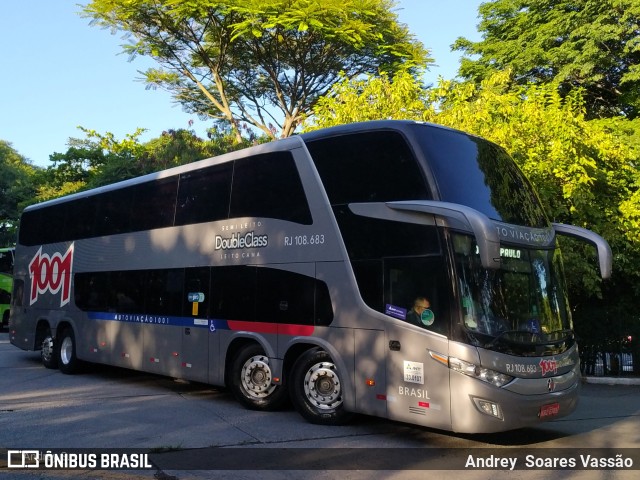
<point>486,375</point>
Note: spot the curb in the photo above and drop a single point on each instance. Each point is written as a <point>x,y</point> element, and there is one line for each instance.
<point>611,380</point>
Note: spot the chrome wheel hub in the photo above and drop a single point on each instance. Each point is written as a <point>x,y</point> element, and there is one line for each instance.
<point>256,377</point>
<point>322,386</point>
<point>66,350</point>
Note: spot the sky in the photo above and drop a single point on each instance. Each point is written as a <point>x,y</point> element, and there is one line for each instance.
<point>57,73</point>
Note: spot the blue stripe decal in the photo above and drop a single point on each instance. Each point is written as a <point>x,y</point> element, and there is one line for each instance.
<point>165,320</point>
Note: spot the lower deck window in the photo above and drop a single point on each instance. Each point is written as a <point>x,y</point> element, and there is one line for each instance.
<point>256,294</point>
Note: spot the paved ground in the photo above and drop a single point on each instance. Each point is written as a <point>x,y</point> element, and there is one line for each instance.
<point>183,424</point>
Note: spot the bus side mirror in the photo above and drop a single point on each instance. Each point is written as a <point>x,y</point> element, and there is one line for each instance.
<point>605,257</point>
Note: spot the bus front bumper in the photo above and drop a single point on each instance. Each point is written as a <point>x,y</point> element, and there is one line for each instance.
<point>483,408</point>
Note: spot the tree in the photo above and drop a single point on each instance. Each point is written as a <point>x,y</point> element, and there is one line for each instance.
<point>369,98</point>
<point>101,159</point>
<point>16,189</point>
<point>179,147</point>
<point>584,174</point>
<point>98,159</point>
<point>591,44</point>
<point>262,63</point>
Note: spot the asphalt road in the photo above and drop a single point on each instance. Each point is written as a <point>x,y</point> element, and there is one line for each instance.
<point>185,425</point>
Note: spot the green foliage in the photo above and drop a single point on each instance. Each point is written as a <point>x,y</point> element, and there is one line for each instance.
<point>369,98</point>
<point>16,189</point>
<point>585,175</point>
<point>591,44</point>
<point>101,159</point>
<point>97,159</point>
<point>262,63</point>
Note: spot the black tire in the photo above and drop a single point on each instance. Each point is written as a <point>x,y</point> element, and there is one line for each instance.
<point>250,380</point>
<point>317,390</point>
<point>66,350</point>
<point>49,352</point>
<point>5,319</point>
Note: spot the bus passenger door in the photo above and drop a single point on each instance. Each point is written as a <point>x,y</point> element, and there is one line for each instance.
<point>194,362</point>
<point>418,385</point>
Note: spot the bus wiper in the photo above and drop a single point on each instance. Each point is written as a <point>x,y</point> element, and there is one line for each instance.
<point>507,332</point>
<point>566,333</point>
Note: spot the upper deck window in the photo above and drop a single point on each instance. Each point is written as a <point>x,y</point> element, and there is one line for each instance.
<point>204,194</point>
<point>269,186</point>
<point>373,166</point>
<point>266,185</point>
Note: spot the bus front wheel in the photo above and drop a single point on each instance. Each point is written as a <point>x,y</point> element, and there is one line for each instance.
<point>67,360</point>
<point>317,390</point>
<point>251,378</point>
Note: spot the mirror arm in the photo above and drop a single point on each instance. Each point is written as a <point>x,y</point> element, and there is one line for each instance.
<point>605,257</point>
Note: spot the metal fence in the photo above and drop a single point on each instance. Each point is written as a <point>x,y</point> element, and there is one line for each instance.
<point>608,364</point>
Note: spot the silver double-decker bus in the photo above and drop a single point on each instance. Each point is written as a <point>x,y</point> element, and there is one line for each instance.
<point>393,268</point>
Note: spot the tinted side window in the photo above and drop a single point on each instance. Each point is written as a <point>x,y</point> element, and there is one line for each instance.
<point>238,293</point>
<point>154,204</point>
<point>81,218</point>
<point>91,292</point>
<point>285,297</point>
<point>112,214</point>
<point>45,225</point>
<point>126,292</point>
<point>369,278</point>
<point>140,207</point>
<point>406,279</point>
<point>269,186</point>
<point>269,295</point>
<point>204,195</point>
<point>324,306</point>
<point>233,292</point>
<point>369,238</point>
<point>368,167</point>
<point>153,292</point>
<point>163,294</point>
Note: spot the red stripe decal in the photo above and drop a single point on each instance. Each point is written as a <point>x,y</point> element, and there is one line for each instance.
<point>253,326</point>
<point>259,327</point>
<point>302,330</point>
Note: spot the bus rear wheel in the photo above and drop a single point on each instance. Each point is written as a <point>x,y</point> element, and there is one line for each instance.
<point>67,360</point>
<point>250,380</point>
<point>316,389</point>
<point>48,352</point>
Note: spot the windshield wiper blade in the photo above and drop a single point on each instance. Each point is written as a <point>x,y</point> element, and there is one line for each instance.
<point>506,332</point>
<point>566,333</point>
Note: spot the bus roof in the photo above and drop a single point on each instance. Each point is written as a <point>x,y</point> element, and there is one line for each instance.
<point>369,126</point>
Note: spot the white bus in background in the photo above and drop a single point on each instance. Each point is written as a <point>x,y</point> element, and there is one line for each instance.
<point>293,268</point>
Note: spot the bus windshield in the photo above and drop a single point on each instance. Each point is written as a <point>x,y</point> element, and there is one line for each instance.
<point>519,309</point>
<point>474,172</point>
